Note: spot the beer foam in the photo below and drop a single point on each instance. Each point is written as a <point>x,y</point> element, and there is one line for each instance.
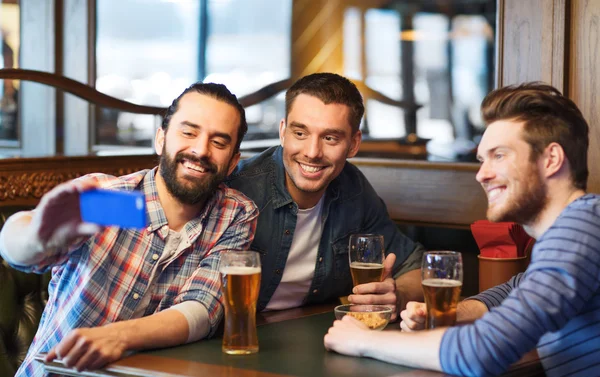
<point>441,283</point>
<point>366,266</point>
<point>240,270</point>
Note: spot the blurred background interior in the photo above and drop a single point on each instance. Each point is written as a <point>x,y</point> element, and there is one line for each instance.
<point>423,67</point>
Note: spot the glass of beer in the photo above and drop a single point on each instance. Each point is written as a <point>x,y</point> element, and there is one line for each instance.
<point>442,276</point>
<point>366,258</point>
<point>240,278</point>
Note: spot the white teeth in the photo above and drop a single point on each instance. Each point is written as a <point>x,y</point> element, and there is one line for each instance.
<point>310,169</point>
<point>189,165</point>
<point>492,194</point>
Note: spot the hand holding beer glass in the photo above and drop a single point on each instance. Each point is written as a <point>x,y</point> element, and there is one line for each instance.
<point>240,277</point>
<point>366,258</point>
<point>442,275</point>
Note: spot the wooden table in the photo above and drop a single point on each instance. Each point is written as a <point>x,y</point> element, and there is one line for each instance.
<point>291,344</point>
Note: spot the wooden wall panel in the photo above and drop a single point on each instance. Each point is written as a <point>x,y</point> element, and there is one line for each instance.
<point>584,76</point>
<point>415,192</point>
<point>532,41</point>
<point>420,192</point>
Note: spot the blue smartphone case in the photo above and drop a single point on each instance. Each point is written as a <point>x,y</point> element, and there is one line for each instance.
<point>125,209</point>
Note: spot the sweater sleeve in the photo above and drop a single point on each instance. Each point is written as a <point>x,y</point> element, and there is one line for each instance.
<point>559,282</point>
<point>494,296</point>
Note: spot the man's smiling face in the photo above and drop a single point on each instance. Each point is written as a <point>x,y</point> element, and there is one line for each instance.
<point>197,149</point>
<point>514,186</point>
<point>317,139</point>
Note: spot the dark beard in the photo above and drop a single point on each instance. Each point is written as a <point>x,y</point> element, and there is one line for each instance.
<point>528,206</point>
<point>196,191</point>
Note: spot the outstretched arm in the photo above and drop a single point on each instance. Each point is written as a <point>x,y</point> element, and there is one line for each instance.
<point>413,317</point>
<point>92,348</point>
<point>417,350</point>
<point>28,238</point>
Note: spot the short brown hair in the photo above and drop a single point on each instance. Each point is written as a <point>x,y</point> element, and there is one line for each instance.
<point>548,117</point>
<point>218,92</point>
<point>329,88</point>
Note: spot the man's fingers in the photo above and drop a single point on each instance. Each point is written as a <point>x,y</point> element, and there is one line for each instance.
<point>409,323</point>
<point>82,185</point>
<point>416,311</point>
<point>326,341</point>
<point>64,348</point>
<point>87,229</point>
<point>413,317</point>
<point>65,345</point>
<point>388,285</point>
<point>420,319</point>
<point>97,363</point>
<point>385,299</point>
<point>404,327</point>
<point>57,215</point>
<point>388,264</point>
<point>51,355</point>
<point>76,352</point>
<point>88,359</point>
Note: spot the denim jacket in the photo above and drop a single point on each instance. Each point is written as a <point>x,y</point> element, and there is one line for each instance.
<point>351,205</point>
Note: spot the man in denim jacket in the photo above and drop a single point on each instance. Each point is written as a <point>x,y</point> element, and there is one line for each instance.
<point>311,200</point>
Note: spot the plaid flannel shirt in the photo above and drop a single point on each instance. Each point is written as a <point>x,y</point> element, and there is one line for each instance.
<point>102,279</point>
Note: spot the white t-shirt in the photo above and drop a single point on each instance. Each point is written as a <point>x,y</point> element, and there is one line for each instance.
<point>300,266</point>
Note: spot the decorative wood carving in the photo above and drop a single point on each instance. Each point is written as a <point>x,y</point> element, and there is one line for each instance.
<point>25,181</point>
<point>36,184</point>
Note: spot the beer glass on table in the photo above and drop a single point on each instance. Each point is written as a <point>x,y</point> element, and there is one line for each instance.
<point>240,278</point>
<point>366,258</point>
<point>442,276</point>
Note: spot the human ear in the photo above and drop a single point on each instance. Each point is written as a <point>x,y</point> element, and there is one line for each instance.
<point>159,141</point>
<point>233,162</point>
<point>554,159</point>
<point>281,131</point>
<point>354,144</point>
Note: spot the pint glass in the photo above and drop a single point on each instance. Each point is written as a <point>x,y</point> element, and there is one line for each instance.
<point>366,258</point>
<point>442,275</point>
<point>240,278</point>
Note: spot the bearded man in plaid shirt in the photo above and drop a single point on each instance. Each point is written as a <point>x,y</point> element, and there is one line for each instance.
<point>116,290</point>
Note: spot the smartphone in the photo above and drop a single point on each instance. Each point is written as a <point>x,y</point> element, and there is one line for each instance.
<point>125,209</point>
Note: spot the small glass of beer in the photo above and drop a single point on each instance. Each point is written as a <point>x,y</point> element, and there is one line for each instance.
<point>366,258</point>
<point>240,278</point>
<point>442,276</point>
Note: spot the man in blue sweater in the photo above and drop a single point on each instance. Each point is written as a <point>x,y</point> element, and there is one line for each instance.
<point>534,170</point>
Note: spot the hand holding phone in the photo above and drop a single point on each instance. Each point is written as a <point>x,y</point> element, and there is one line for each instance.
<point>125,209</point>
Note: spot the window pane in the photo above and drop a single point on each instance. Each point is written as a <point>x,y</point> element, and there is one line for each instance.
<point>248,47</point>
<point>9,89</point>
<point>437,57</point>
<point>147,52</point>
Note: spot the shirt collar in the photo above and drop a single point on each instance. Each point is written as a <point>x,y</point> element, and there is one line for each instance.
<point>157,220</point>
<point>156,215</point>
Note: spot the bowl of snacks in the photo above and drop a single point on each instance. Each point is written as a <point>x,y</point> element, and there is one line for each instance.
<point>376,317</point>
